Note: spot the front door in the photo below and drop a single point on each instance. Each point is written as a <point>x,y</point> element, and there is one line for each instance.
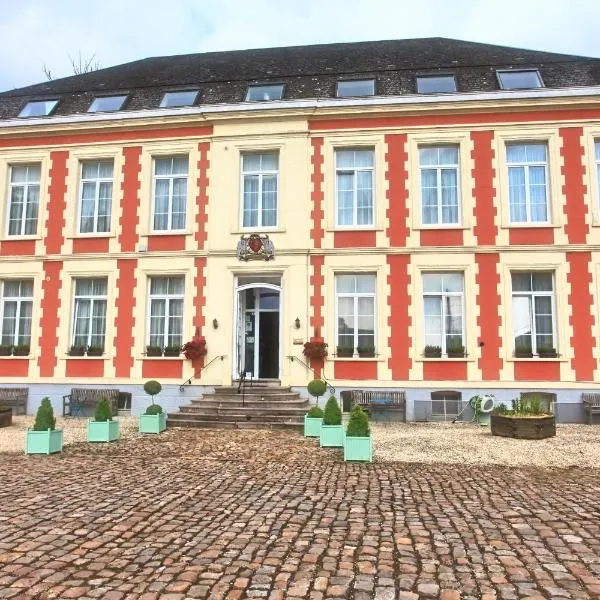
<point>258,332</point>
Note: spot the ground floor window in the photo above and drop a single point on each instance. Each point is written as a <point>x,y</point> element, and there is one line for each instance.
<point>17,305</point>
<point>355,307</point>
<point>89,315</point>
<point>166,312</point>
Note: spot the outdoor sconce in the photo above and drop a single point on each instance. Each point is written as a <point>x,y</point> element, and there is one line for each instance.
<point>297,323</point>
<point>215,324</point>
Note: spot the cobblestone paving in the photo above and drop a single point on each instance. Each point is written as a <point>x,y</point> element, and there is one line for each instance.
<point>221,514</point>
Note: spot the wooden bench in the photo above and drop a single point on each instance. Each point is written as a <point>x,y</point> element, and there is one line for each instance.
<point>591,405</point>
<point>383,403</point>
<point>16,398</point>
<point>82,398</point>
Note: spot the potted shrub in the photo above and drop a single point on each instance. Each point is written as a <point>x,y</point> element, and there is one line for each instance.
<point>154,420</point>
<point>5,349</point>
<point>153,351</point>
<point>313,420</point>
<point>5,416</point>
<point>526,419</point>
<point>315,350</point>
<point>358,444</point>
<point>345,351</point>
<point>332,430</point>
<point>44,438</point>
<point>546,351</point>
<point>366,351</point>
<point>102,428</point>
<point>172,350</point>
<point>21,350</point>
<point>455,349</point>
<point>316,388</point>
<point>432,352</point>
<point>195,348</point>
<point>95,351</point>
<point>76,350</point>
<point>523,351</point>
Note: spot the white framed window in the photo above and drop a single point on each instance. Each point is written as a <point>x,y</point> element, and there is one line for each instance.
<point>107,104</point>
<point>170,193</point>
<point>24,199</point>
<point>440,185</point>
<point>181,98</point>
<point>95,200</point>
<point>519,79</point>
<point>533,311</point>
<point>355,300</point>
<point>443,311</point>
<point>260,179</point>
<point>597,156</point>
<point>261,93</point>
<point>436,84</point>
<point>528,195</point>
<point>38,108</point>
<point>165,312</point>
<point>355,88</point>
<point>89,313</point>
<point>354,178</point>
<point>17,307</point>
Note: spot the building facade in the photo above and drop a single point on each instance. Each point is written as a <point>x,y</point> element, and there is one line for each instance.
<point>433,207</point>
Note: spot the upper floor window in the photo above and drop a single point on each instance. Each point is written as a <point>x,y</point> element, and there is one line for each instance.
<point>597,147</point>
<point>443,310</point>
<point>166,312</point>
<point>182,98</point>
<point>356,87</point>
<point>533,312</point>
<point>436,84</point>
<point>258,93</point>
<point>96,196</point>
<point>438,166</point>
<point>527,182</point>
<point>24,199</point>
<point>38,108</point>
<point>17,306</point>
<point>355,312</point>
<point>170,193</point>
<point>354,174</point>
<point>260,172</point>
<point>520,79</point>
<point>107,103</point>
<point>89,313</point>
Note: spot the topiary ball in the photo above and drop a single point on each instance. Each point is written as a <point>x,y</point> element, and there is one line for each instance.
<point>152,387</point>
<point>154,409</point>
<point>315,412</point>
<point>332,414</point>
<point>316,387</point>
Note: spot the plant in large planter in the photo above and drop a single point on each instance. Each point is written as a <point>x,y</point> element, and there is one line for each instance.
<point>345,351</point>
<point>316,388</point>
<point>358,444</point>
<point>5,416</point>
<point>195,348</point>
<point>315,350</point>
<point>526,419</point>
<point>21,350</point>
<point>102,428</point>
<point>366,351</point>
<point>432,352</point>
<point>44,438</point>
<point>154,420</point>
<point>332,430</point>
<point>313,420</point>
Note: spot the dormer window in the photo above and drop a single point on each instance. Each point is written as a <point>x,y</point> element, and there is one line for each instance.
<point>521,79</point>
<point>262,93</point>
<point>355,88</point>
<point>38,108</point>
<point>182,98</point>
<point>107,104</point>
<point>436,84</point>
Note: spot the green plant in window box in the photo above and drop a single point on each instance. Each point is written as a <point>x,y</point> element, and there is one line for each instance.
<point>172,350</point>
<point>546,351</point>
<point>366,351</point>
<point>332,430</point>
<point>345,351</point>
<point>455,349</point>
<point>154,420</point>
<point>432,352</point>
<point>154,351</point>
<point>22,350</point>
<point>6,349</point>
<point>76,350</point>
<point>523,350</point>
<point>358,444</point>
<point>95,351</point>
<point>103,428</point>
<point>44,438</point>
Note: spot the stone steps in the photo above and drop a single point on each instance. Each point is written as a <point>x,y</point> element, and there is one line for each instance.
<point>178,421</point>
<point>255,390</point>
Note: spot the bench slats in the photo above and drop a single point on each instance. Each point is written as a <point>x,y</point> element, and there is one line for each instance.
<point>591,404</point>
<point>89,397</point>
<point>15,398</point>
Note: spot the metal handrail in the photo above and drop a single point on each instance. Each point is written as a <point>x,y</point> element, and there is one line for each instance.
<point>210,362</point>
<point>329,386</point>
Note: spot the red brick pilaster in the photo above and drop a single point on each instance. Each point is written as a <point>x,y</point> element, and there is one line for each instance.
<point>202,199</point>
<point>125,319</point>
<point>130,201</point>
<point>57,191</point>
<point>397,193</point>
<point>50,305</point>
<point>483,175</point>
<point>399,321</point>
<point>199,304</point>
<point>317,214</point>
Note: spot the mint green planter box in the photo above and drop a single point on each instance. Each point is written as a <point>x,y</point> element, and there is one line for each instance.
<point>332,436</point>
<point>43,442</point>
<point>153,423</point>
<point>358,448</point>
<point>102,431</point>
<point>312,426</point>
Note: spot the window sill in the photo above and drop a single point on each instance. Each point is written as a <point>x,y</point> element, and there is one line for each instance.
<point>144,357</point>
<point>20,238</point>
<point>537,359</point>
<point>357,359</point>
<point>87,236</point>
<point>166,233</point>
<point>440,227</point>
<point>101,357</point>
<point>354,228</point>
<point>249,230</point>
<point>444,359</point>
<point>28,357</point>
<point>530,226</point>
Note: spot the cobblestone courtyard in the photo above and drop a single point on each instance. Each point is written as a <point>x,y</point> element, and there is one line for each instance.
<point>233,514</point>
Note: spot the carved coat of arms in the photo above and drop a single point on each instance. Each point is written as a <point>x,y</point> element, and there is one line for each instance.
<point>255,247</point>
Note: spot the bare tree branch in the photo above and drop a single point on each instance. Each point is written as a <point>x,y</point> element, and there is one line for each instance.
<point>47,72</point>
<point>79,65</point>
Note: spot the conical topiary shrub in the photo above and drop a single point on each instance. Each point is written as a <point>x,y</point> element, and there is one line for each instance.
<point>358,444</point>
<point>103,410</point>
<point>44,417</point>
<point>103,428</point>
<point>44,438</point>
<point>358,425</point>
<point>333,413</point>
<point>332,431</point>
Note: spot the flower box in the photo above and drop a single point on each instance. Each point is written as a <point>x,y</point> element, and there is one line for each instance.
<point>102,431</point>
<point>43,442</point>
<point>432,352</point>
<point>345,352</point>
<point>5,350</point>
<point>95,351</point>
<point>366,352</point>
<point>332,436</point>
<point>358,448</point>
<point>153,351</point>
<point>547,353</point>
<point>523,354</point>
<point>76,351</point>
<point>524,428</point>
<point>21,351</point>
<point>312,426</point>
<point>153,423</point>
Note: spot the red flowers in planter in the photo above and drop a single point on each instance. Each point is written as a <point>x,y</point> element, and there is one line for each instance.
<point>195,348</point>
<point>315,350</point>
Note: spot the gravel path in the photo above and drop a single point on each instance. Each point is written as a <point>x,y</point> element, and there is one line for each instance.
<point>574,445</point>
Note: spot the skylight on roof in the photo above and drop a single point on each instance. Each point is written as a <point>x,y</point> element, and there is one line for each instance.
<point>354,88</point>
<point>260,93</point>
<point>520,79</point>
<point>436,84</point>
<point>38,108</point>
<point>182,98</point>
<point>107,103</point>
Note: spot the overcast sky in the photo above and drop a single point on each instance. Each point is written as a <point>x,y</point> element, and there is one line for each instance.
<point>34,33</point>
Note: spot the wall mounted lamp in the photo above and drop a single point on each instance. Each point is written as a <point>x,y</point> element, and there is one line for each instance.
<point>297,323</point>
<point>215,324</point>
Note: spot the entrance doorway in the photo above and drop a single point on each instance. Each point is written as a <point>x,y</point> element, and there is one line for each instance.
<point>257,331</point>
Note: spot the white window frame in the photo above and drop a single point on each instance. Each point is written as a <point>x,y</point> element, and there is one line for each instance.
<point>355,170</point>
<point>430,77</point>
<point>597,164</point>
<point>26,187</point>
<point>93,108</point>
<point>19,300</point>
<point>500,72</point>
<point>438,169</point>
<point>164,103</point>
<point>340,85</point>
<point>356,296</point>
<point>443,295</point>
<point>531,296</point>
<point>50,106</point>
<point>93,299</point>
<point>97,180</point>
<point>258,86</point>
<point>526,165</point>
<point>167,297</point>
<point>170,177</point>
<point>261,173</point>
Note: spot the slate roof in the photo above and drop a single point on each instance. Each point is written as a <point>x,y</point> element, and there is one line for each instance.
<point>308,72</point>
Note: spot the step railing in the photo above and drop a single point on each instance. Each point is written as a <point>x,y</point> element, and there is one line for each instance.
<point>210,362</point>
<point>298,359</point>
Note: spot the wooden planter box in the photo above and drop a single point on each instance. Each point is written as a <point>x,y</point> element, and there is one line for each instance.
<point>332,436</point>
<point>153,423</point>
<point>358,448</point>
<point>312,426</point>
<point>5,417</point>
<point>103,431</point>
<point>43,442</point>
<point>524,428</point>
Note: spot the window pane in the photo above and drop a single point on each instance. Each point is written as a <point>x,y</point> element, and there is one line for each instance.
<point>107,104</point>
<point>365,284</point>
<point>38,108</point>
<point>453,282</point>
<point>515,80</point>
<point>432,282</point>
<point>597,150</point>
<point>359,87</point>
<point>163,166</point>
<point>345,284</point>
<point>257,93</point>
<point>185,98</point>
<point>521,282</point>
<point>521,317</point>
<point>542,282</point>
<point>517,195</point>
<point>536,152</point>
<point>432,85</point>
